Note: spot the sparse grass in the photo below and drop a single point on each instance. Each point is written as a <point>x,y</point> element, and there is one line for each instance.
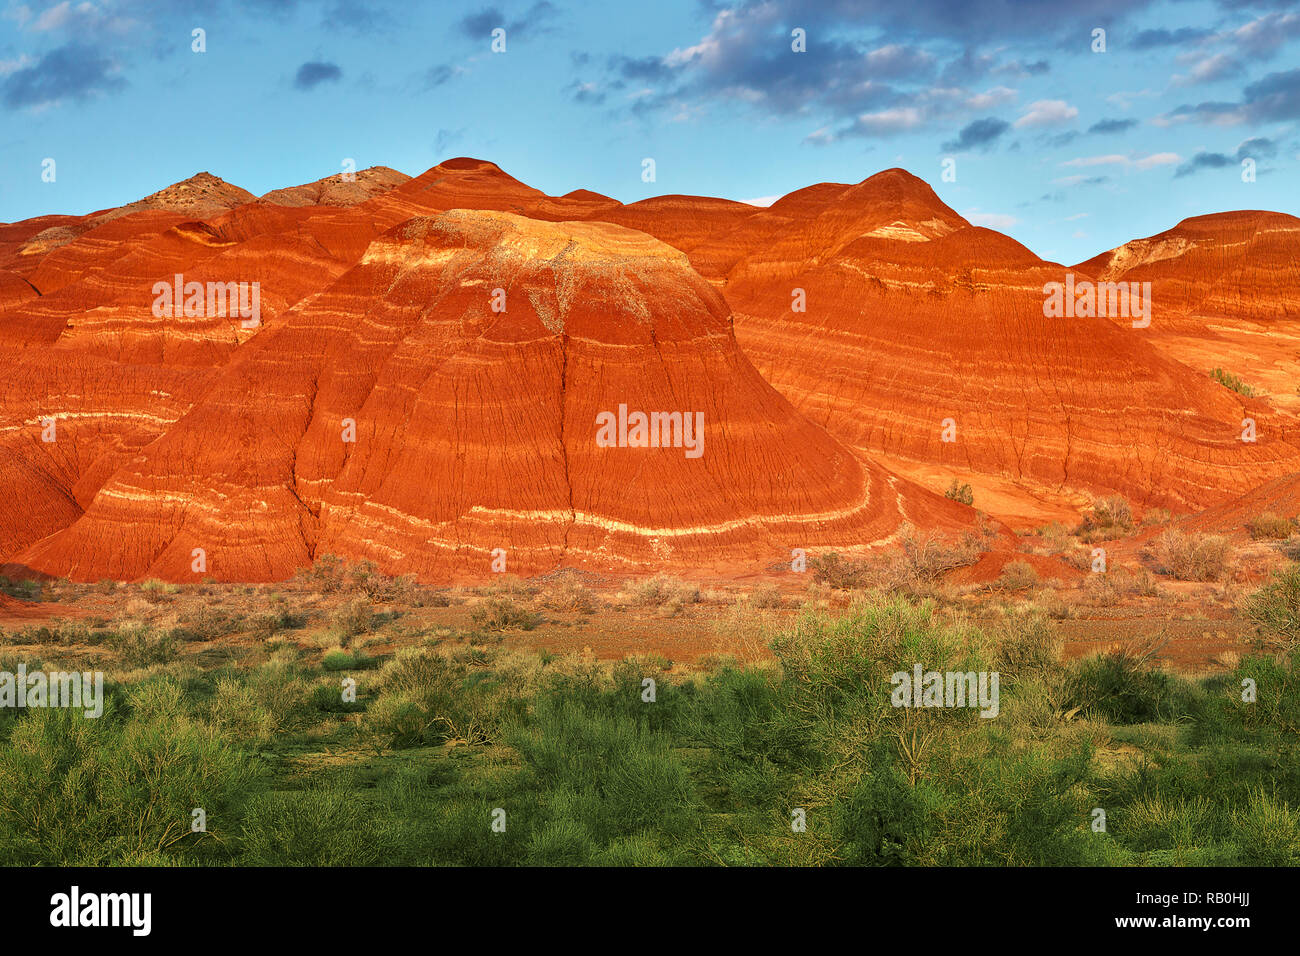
<point>1156,517</point>
<point>766,596</point>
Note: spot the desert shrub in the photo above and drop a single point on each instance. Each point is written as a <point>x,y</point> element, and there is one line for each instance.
<point>1233,382</point>
<point>142,646</point>
<point>258,704</point>
<point>364,576</point>
<point>325,573</point>
<point>1270,527</point>
<point>503,614</point>
<point>78,791</point>
<point>1276,606</point>
<point>924,557</point>
<point>1191,557</point>
<point>311,828</point>
<point>567,596</point>
<point>1122,686</point>
<point>1017,576</point>
<point>660,590</point>
<point>766,596</point>
<point>266,626</point>
<point>1277,703</point>
<point>1119,582</point>
<point>341,660</point>
<point>833,570</point>
<point>63,632</point>
<point>1112,511</point>
<point>1111,517</point>
<point>155,590</point>
<point>26,589</point>
<point>960,493</point>
<point>609,772</point>
<point>1056,537</point>
<point>1027,643</point>
<point>206,624</point>
<point>427,698</point>
<point>1267,830</point>
<point>353,619</point>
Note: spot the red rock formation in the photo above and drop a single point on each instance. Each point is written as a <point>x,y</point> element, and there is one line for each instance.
<point>1239,264</point>
<point>477,430</point>
<point>337,191</point>
<point>1225,291</point>
<point>915,317</point>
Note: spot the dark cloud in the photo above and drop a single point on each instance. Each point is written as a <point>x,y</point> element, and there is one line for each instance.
<point>535,20</point>
<point>357,17</point>
<point>1203,161</point>
<point>587,93</point>
<point>313,74</point>
<point>481,24</point>
<point>438,75</point>
<point>1256,147</point>
<point>72,71</point>
<point>1112,125</point>
<point>445,138</point>
<point>870,68</point>
<point>1150,39</point>
<point>1274,98</point>
<point>982,133</point>
<point>994,20</point>
<point>647,68</point>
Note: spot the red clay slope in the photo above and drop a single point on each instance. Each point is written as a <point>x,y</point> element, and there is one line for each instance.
<point>915,317</point>
<point>477,430</point>
<point>1227,292</point>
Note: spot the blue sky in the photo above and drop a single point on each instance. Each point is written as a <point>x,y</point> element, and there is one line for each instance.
<point>1068,150</point>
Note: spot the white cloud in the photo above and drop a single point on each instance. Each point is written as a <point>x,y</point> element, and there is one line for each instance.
<point>12,66</point>
<point>989,99</point>
<point>1047,113</point>
<point>1112,159</point>
<point>990,220</point>
<point>1124,100</point>
<point>1116,159</point>
<point>760,201</point>
<point>1157,159</point>
<point>890,120</point>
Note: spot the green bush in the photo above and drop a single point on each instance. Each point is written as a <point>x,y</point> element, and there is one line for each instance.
<point>1276,606</point>
<point>960,493</point>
